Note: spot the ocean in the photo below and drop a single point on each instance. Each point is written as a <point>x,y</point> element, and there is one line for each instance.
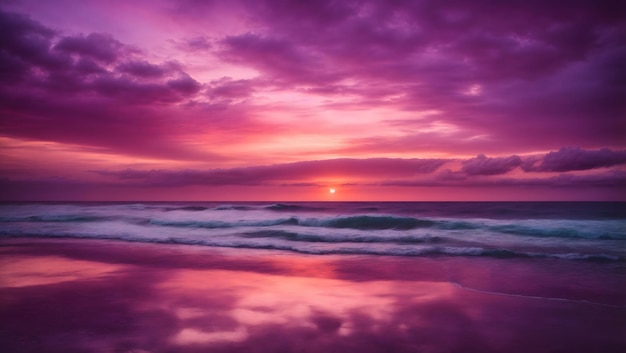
<point>265,277</point>
<point>577,231</point>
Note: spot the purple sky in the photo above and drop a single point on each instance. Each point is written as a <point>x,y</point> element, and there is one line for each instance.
<point>282,100</point>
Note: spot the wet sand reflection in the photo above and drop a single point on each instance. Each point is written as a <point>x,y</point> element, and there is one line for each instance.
<point>98,296</point>
<point>329,306</point>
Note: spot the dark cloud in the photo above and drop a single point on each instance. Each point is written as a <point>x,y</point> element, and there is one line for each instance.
<point>571,159</point>
<point>610,179</point>
<point>133,92</point>
<point>79,64</point>
<point>447,175</point>
<point>25,43</point>
<point>98,46</point>
<point>357,168</point>
<point>141,69</point>
<point>89,90</point>
<point>479,171</point>
<point>538,67</point>
<point>228,88</point>
<point>278,58</point>
<point>502,78</point>
<point>199,43</point>
<point>367,33</point>
<point>184,84</point>
<point>481,165</point>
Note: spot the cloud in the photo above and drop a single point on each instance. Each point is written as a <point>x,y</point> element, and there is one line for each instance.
<point>279,59</point>
<point>184,84</point>
<point>91,90</point>
<point>481,165</point>
<point>538,66</point>
<point>82,64</point>
<point>572,159</point>
<point>309,170</point>
<point>24,42</point>
<point>98,46</point>
<point>609,179</point>
<point>142,68</point>
<point>445,176</point>
<point>228,88</point>
<point>198,43</point>
<point>511,77</point>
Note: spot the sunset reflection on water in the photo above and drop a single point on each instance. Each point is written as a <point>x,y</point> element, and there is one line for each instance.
<point>87,296</point>
<point>329,306</point>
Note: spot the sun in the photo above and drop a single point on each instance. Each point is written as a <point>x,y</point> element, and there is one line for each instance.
<point>332,191</point>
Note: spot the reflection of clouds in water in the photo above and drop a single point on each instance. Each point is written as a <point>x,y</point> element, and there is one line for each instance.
<point>322,304</point>
<point>26,271</point>
<point>137,298</point>
<point>193,336</point>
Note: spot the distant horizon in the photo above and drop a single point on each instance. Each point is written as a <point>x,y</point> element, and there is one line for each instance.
<point>310,201</point>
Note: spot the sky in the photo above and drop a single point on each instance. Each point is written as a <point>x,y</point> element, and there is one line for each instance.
<point>259,100</point>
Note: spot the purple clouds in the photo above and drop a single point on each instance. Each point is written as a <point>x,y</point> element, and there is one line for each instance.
<point>570,159</point>
<point>507,70</point>
<point>101,47</point>
<point>83,64</point>
<point>245,92</point>
<point>480,170</point>
<point>81,89</point>
<point>141,69</point>
<point>481,165</point>
<point>309,171</point>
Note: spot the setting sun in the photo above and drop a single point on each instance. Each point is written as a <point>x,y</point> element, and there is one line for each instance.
<point>332,191</point>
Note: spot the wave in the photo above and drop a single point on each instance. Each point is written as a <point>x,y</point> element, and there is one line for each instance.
<point>558,232</point>
<point>342,238</point>
<point>230,207</point>
<point>608,230</point>
<point>221,224</point>
<point>234,207</point>
<point>370,222</point>
<point>351,222</point>
<point>291,207</point>
<point>216,208</point>
<point>56,218</point>
<point>416,250</point>
<point>284,207</point>
<point>188,208</point>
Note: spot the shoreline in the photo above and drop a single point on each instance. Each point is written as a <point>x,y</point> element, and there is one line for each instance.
<point>91,295</point>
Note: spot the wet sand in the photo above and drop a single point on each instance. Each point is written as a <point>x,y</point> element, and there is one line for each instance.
<point>70,295</point>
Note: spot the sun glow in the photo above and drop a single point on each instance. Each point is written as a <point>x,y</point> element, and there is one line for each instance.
<point>332,191</point>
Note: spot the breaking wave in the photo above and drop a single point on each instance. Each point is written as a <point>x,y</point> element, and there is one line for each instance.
<point>55,218</point>
<point>351,222</point>
<point>422,250</point>
<point>370,222</point>
<point>342,238</point>
<point>374,229</point>
<point>608,230</point>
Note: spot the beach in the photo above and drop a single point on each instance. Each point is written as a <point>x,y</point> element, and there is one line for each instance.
<point>78,295</point>
<point>312,176</point>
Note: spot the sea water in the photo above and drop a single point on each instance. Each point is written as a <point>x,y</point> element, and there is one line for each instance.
<point>583,231</point>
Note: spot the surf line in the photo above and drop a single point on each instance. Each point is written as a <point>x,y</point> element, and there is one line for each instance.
<point>580,301</point>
